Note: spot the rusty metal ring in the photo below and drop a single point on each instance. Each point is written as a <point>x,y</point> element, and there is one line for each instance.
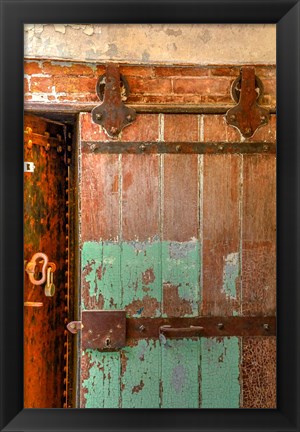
<point>236,88</point>
<point>100,86</point>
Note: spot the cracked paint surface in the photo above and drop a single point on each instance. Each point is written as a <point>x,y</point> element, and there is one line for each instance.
<point>100,386</point>
<point>140,276</point>
<point>220,387</point>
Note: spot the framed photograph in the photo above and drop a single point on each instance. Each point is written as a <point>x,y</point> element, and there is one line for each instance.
<point>149,219</point>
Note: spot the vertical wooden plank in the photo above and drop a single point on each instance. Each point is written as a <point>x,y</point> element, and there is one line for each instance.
<point>180,230</point>
<point>259,372</point>
<point>180,197</point>
<point>180,373</point>
<point>259,235</point>
<point>140,197</point>
<point>141,278</point>
<point>100,385</point>
<point>99,197</point>
<point>220,387</point>
<point>180,275</point>
<point>140,375</point>
<point>100,275</point>
<point>221,235</point>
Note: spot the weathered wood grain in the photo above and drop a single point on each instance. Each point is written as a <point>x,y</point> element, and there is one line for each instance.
<point>259,235</point>
<point>100,379</point>
<point>180,197</point>
<point>220,386</point>
<point>99,197</point>
<point>140,375</point>
<point>140,197</point>
<point>221,235</point>
<point>180,374</point>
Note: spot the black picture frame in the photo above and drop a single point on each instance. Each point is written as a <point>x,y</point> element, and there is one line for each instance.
<point>286,14</point>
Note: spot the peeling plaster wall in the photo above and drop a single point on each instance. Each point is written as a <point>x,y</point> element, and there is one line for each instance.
<point>200,44</point>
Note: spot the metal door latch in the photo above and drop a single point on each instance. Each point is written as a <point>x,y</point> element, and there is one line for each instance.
<point>29,166</point>
<point>247,116</point>
<point>112,114</point>
<point>104,330</point>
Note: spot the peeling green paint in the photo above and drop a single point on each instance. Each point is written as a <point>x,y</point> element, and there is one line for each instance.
<point>231,274</point>
<point>180,374</point>
<point>131,275</point>
<point>181,268</point>
<point>220,387</point>
<point>140,378</point>
<point>141,275</point>
<point>102,387</point>
<point>101,270</point>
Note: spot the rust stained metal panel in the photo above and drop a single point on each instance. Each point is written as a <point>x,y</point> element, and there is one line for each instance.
<point>259,235</point>
<point>99,197</point>
<point>221,235</point>
<point>140,197</point>
<point>258,367</point>
<point>44,231</point>
<point>180,198</point>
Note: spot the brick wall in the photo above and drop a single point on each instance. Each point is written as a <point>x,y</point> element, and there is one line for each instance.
<point>51,81</point>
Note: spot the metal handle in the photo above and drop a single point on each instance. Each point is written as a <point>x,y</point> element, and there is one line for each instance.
<point>176,332</point>
<point>30,268</point>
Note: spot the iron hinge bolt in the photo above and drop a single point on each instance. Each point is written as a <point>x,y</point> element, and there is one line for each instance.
<point>266,327</point>
<point>98,116</point>
<point>178,148</point>
<point>129,118</point>
<point>232,117</point>
<point>141,328</point>
<point>220,147</point>
<point>263,118</point>
<point>220,326</point>
<point>142,147</point>
<point>113,130</point>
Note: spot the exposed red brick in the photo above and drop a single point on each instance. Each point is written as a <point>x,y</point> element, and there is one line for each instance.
<point>215,86</point>
<point>26,85</point>
<point>149,85</point>
<point>53,68</point>
<point>31,68</point>
<point>41,85</point>
<point>181,71</point>
<point>180,127</point>
<point>91,131</point>
<point>74,84</point>
<point>225,71</point>
<point>138,71</point>
<point>144,128</point>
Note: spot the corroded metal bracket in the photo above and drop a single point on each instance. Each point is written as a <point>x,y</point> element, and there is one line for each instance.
<point>247,116</point>
<point>112,114</point>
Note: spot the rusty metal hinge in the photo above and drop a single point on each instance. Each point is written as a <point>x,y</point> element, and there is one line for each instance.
<point>112,114</point>
<point>247,116</point>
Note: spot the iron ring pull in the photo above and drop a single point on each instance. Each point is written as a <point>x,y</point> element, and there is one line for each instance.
<point>30,268</point>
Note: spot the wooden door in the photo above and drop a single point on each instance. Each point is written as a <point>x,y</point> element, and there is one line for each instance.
<point>45,337</point>
<point>178,236</point>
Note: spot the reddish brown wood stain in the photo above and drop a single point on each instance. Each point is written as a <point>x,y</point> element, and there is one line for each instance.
<point>259,235</point>
<point>140,197</point>
<point>99,197</point>
<point>180,197</point>
<point>221,230</point>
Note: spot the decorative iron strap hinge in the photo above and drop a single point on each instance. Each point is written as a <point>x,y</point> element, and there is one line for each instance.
<point>112,88</point>
<point>111,330</point>
<point>247,116</point>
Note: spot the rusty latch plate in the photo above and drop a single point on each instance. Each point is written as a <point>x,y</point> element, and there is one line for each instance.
<point>103,330</point>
